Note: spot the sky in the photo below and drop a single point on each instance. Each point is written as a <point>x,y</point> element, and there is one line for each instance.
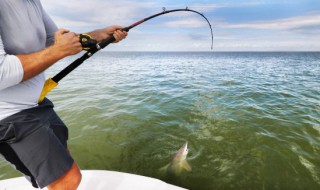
<point>238,25</point>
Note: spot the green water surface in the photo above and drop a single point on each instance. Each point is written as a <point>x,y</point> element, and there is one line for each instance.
<point>252,120</point>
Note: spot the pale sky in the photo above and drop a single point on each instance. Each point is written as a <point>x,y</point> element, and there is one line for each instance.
<point>238,25</point>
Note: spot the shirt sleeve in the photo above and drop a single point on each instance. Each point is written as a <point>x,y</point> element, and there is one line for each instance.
<point>50,27</point>
<point>11,70</point>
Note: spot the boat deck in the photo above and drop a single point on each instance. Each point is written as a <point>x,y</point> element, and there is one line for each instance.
<point>100,180</point>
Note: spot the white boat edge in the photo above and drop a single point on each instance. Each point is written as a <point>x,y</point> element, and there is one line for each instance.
<point>100,180</point>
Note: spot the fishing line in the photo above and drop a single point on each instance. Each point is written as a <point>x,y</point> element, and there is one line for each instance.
<point>92,48</point>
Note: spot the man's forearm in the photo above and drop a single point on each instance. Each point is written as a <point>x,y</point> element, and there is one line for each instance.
<point>104,33</point>
<point>98,35</point>
<point>35,63</point>
<point>66,43</point>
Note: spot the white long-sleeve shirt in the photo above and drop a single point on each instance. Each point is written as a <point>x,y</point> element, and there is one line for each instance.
<point>24,28</point>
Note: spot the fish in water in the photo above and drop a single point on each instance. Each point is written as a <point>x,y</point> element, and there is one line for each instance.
<point>179,162</point>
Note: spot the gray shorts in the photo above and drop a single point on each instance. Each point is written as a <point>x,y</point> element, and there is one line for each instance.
<point>35,142</point>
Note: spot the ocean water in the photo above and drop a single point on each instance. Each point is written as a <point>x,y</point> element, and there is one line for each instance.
<point>252,120</point>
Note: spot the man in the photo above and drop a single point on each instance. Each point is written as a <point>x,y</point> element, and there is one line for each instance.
<point>32,136</point>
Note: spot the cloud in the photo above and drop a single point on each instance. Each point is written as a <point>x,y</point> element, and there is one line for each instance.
<point>294,23</point>
<point>123,11</point>
<point>187,23</point>
<point>208,7</point>
<point>96,12</point>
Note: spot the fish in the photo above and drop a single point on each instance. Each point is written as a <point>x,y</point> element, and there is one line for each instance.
<point>179,162</point>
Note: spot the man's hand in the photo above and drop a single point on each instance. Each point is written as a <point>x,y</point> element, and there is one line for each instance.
<point>105,33</point>
<point>66,42</point>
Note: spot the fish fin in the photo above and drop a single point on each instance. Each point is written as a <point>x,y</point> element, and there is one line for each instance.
<point>186,166</point>
<point>164,168</point>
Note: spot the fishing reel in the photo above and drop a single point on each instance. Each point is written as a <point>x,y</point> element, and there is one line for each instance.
<point>87,41</point>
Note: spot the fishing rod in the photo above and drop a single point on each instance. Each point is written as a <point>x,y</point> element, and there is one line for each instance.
<point>92,47</point>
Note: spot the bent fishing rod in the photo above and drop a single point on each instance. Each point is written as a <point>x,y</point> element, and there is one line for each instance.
<point>92,47</point>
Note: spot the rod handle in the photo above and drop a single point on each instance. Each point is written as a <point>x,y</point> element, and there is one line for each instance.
<point>111,39</point>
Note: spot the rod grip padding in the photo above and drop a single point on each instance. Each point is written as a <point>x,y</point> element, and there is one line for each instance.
<point>47,87</point>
